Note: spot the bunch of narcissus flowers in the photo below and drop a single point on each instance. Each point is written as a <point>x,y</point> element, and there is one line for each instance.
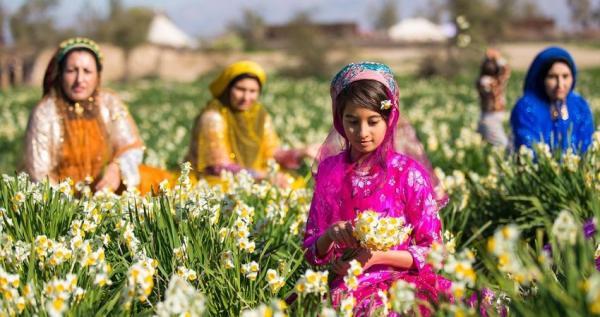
<point>380,233</point>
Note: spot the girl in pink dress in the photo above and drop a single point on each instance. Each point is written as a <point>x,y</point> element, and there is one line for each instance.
<point>360,168</point>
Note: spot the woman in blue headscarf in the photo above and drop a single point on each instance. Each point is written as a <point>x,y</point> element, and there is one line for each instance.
<point>550,111</point>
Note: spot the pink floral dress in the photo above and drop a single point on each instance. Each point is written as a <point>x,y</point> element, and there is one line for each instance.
<point>401,188</point>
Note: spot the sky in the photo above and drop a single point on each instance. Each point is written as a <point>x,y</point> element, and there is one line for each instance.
<point>209,18</point>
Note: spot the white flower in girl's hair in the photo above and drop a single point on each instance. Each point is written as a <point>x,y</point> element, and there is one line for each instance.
<point>386,104</point>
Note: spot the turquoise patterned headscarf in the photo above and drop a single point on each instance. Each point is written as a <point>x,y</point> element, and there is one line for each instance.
<point>361,71</point>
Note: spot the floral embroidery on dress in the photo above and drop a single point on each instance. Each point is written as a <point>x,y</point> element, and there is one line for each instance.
<point>395,197</point>
<point>430,205</point>
<point>415,179</point>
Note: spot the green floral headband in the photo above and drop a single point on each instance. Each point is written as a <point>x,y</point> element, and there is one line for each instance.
<point>78,42</point>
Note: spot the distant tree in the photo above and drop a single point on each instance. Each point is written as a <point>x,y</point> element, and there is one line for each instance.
<point>528,9</point>
<point>582,14</point>
<point>308,46</point>
<point>387,15</point>
<point>505,13</point>
<point>91,20</point>
<point>115,8</point>
<point>2,39</point>
<point>32,26</point>
<point>488,20</point>
<point>478,23</point>
<point>434,10</point>
<point>124,27</point>
<point>130,28</point>
<point>251,29</point>
<point>33,29</point>
<point>474,13</point>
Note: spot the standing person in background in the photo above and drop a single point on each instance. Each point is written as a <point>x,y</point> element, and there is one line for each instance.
<point>491,85</point>
<point>83,132</point>
<point>550,111</point>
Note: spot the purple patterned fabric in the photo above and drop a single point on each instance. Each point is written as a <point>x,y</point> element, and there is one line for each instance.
<point>487,306</point>
<point>398,187</point>
<point>589,228</point>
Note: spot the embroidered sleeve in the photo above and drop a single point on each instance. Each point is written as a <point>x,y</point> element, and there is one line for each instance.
<point>127,144</point>
<point>129,162</point>
<point>319,219</point>
<point>213,147</point>
<point>314,230</point>
<point>422,214</point>
<point>38,159</point>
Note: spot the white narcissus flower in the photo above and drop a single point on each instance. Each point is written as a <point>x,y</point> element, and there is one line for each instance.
<point>351,282</point>
<point>402,296</point>
<point>180,253</point>
<point>275,281</point>
<point>246,245</point>
<point>592,287</point>
<point>380,233</point>
<point>181,299</point>
<point>227,260</point>
<point>328,312</point>
<point>355,268</point>
<point>187,274</point>
<point>19,198</point>
<point>437,255</point>
<point>276,308</point>
<point>571,161</point>
<point>565,228</point>
<point>347,306</point>
<point>250,270</point>
<point>140,279</point>
<point>312,282</point>
<point>56,307</point>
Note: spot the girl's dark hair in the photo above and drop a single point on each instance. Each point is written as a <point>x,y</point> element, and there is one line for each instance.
<point>365,93</point>
<point>224,98</point>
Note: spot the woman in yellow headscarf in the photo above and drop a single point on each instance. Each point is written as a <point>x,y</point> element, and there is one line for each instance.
<point>82,132</point>
<point>234,131</point>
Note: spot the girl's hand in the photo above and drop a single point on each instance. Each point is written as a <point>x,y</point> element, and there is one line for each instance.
<point>341,233</point>
<point>363,255</point>
<point>340,267</point>
<point>111,178</point>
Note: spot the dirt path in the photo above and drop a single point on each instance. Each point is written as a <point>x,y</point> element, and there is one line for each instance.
<point>186,66</point>
<point>521,55</point>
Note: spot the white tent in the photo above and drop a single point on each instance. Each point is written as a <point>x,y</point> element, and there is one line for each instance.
<point>164,32</point>
<point>417,30</point>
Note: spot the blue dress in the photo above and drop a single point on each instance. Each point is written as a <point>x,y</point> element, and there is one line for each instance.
<point>531,120</point>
